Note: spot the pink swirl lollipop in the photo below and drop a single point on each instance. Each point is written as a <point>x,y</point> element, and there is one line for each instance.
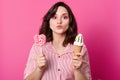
<point>40,39</point>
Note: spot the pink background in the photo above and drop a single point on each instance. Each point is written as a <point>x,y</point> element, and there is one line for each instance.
<point>98,21</point>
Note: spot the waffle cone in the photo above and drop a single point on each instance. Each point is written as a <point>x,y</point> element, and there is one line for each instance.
<point>77,49</point>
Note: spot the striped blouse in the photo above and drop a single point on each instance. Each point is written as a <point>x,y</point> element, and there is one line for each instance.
<point>59,66</point>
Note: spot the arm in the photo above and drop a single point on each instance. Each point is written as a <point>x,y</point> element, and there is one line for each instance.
<point>82,66</point>
<point>35,75</point>
<point>79,75</point>
<point>35,65</point>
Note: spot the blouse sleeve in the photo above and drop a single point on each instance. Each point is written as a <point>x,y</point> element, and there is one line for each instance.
<point>31,62</point>
<point>86,65</point>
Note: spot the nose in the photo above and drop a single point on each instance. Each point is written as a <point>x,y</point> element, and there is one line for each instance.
<point>59,21</point>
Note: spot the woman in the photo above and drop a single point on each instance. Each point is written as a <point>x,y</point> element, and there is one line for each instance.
<point>54,60</point>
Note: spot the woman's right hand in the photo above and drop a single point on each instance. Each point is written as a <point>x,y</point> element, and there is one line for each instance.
<point>41,62</point>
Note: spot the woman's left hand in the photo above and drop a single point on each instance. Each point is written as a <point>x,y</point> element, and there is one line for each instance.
<point>77,61</point>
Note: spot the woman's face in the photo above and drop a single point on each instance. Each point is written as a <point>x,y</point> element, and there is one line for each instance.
<point>59,23</point>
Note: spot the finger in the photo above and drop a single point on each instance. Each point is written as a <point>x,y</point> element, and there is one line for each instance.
<point>42,64</point>
<point>41,54</point>
<point>77,64</point>
<point>39,61</point>
<point>77,58</point>
<point>42,58</point>
<point>42,61</point>
<point>77,55</point>
<point>80,54</point>
<point>77,61</point>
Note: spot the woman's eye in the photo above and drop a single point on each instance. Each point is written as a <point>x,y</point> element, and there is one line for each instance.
<point>65,17</point>
<point>54,17</point>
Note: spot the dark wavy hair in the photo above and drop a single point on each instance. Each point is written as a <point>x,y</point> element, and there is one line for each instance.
<point>70,33</point>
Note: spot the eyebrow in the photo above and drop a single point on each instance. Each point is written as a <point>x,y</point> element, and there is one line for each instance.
<point>63,13</point>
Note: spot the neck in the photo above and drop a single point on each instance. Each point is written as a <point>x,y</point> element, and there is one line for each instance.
<point>58,39</point>
<point>58,42</point>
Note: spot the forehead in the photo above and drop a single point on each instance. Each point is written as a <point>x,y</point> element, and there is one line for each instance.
<point>61,10</point>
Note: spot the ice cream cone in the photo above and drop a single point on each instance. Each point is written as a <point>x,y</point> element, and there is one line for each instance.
<point>77,49</point>
<point>78,44</point>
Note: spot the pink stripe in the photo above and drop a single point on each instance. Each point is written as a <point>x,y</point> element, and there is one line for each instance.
<point>66,71</point>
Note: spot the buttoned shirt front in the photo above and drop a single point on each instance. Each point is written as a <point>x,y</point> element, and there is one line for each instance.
<point>59,66</point>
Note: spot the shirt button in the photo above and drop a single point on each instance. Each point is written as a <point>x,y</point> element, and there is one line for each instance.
<point>58,69</point>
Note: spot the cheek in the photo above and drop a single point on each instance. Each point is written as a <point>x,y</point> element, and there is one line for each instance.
<point>67,24</point>
<point>51,24</point>
<point>67,27</point>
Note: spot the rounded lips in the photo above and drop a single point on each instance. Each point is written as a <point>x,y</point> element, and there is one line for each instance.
<point>59,26</point>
